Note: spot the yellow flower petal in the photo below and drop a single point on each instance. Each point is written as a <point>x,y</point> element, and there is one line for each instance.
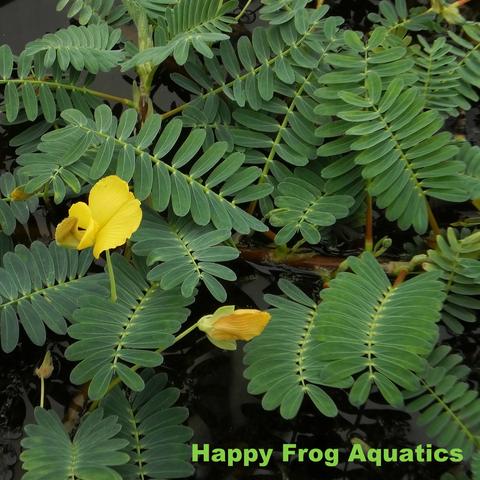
<point>86,226</point>
<point>240,325</point>
<point>64,234</point>
<point>119,227</point>
<point>107,197</point>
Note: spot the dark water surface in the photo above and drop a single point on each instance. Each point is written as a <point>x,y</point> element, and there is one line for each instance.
<point>213,388</point>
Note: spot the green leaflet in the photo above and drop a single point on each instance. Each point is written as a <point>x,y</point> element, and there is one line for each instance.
<point>283,363</point>
<point>113,337</point>
<point>278,12</point>
<point>439,79</point>
<point>88,48</point>
<point>152,425</point>
<point>396,16</point>
<point>375,332</point>
<point>457,262</point>
<point>40,287</point>
<point>274,57</point>
<point>185,254</point>
<point>190,23</point>
<point>448,408</point>
<point>93,451</point>
<point>303,206</point>
<point>95,11</point>
<point>36,90</point>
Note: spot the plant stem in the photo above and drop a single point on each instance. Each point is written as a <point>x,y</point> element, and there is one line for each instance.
<point>111,277</point>
<point>433,221</point>
<point>320,3</point>
<point>244,9</point>
<point>74,88</point>
<point>401,277</point>
<point>42,392</point>
<point>297,245</point>
<point>369,225</point>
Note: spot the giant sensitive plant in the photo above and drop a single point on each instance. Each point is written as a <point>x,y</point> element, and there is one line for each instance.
<point>289,133</point>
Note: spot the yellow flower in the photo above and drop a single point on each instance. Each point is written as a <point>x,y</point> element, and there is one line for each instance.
<point>110,218</point>
<point>227,325</point>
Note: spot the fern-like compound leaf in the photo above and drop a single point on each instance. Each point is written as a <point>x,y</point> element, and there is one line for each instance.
<point>88,48</point>
<point>40,287</point>
<point>35,90</point>
<point>86,149</point>
<point>190,23</point>
<point>304,207</point>
<point>448,407</point>
<point>457,261</point>
<point>94,450</point>
<point>184,254</point>
<point>377,332</point>
<point>283,363</point>
<point>113,336</point>
<point>87,12</point>
<point>400,150</point>
<point>152,425</point>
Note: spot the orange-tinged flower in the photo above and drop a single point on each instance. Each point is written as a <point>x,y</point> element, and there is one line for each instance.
<point>111,216</point>
<point>227,325</point>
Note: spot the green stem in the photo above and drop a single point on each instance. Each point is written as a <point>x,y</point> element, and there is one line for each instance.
<point>111,276</point>
<point>369,225</point>
<point>74,88</point>
<point>42,392</point>
<point>244,9</point>
<point>297,246</point>
<point>134,368</point>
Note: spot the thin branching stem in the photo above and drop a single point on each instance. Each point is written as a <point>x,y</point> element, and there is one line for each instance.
<point>369,225</point>
<point>71,87</point>
<point>244,9</point>
<point>433,221</point>
<point>111,277</point>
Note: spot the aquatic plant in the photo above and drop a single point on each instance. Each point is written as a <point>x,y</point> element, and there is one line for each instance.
<point>290,133</point>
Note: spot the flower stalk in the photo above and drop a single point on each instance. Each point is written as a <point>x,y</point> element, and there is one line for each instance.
<point>111,277</point>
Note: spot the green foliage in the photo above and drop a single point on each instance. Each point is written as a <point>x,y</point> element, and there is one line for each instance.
<point>94,11</point>
<point>152,425</point>
<point>40,286</point>
<point>188,24</point>
<point>277,12</point>
<point>300,123</point>
<point>36,90</point>
<point>476,466</point>
<point>438,76</point>
<point>303,206</point>
<point>457,261</point>
<point>402,156</point>
<point>253,72</point>
<point>467,48</point>
<point>84,151</point>
<point>50,453</point>
<point>88,48</point>
<point>188,254</point>
<point>134,330</point>
<point>283,363</point>
<point>448,407</point>
<point>396,15</point>
<point>377,331</point>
